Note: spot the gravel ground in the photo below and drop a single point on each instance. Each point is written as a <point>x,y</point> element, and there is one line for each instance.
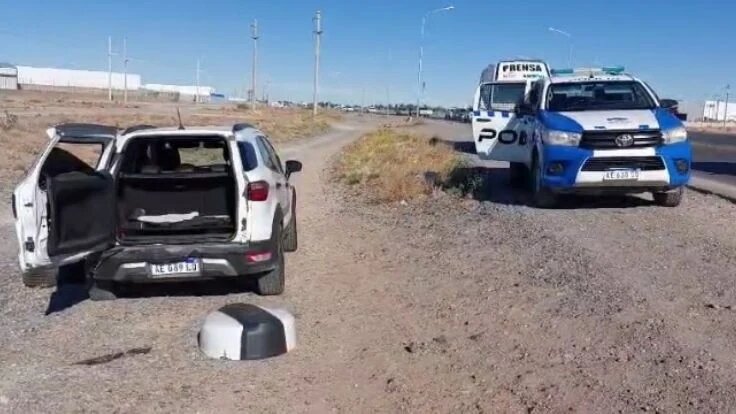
<point>446,305</point>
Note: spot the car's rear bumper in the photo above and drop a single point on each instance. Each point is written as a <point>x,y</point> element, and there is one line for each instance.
<point>134,263</point>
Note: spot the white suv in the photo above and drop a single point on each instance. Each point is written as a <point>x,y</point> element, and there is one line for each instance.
<point>157,204</point>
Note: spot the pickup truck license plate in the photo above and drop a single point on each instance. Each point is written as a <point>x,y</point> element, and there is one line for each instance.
<point>190,266</point>
<point>621,175</point>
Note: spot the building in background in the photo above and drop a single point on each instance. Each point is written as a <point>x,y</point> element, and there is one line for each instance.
<point>8,76</point>
<point>30,77</point>
<point>185,92</point>
<point>716,111</point>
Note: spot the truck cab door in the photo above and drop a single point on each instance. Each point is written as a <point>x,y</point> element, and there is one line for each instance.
<point>497,129</point>
<point>60,200</point>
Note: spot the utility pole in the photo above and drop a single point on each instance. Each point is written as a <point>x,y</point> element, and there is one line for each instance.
<point>196,96</point>
<point>254,36</point>
<point>109,68</point>
<point>725,112</point>
<point>125,70</point>
<point>420,83</point>
<point>317,34</point>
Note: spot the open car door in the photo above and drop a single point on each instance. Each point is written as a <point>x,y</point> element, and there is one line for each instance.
<point>64,206</point>
<point>497,131</point>
<point>81,213</point>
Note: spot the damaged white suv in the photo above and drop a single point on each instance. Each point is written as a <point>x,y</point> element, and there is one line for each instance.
<point>153,204</point>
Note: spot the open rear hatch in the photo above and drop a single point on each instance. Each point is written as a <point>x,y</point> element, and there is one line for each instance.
<point>176,190</point>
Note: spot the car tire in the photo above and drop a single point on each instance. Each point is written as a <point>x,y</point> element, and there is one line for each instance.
<point>290,235</point>
<point>101,290</point>
<point>273,281</point>
<point>518,175</point>
<point>669,198</point>
<point>40,278</point>
<point>542,197</point>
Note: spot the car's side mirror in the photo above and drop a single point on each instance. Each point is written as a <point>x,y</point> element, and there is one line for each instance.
<point>293,166</point>
<point>524,109</point>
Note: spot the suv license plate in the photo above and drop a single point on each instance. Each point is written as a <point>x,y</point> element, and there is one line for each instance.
<point>621,175</point>
<point>190,266</point>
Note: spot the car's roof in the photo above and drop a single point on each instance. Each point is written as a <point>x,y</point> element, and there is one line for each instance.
<point>238,131</point>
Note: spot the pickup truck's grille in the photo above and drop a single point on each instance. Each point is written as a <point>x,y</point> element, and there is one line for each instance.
<point>611,163</point>
<point>607,139</point>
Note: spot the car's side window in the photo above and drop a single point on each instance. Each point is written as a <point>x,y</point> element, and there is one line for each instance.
<point>274,162</point>
<point>274,156</point>
<point>247,155</point>
<point>265,156</point>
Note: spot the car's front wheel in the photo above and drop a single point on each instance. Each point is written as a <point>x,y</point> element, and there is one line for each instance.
<point>290,235</point>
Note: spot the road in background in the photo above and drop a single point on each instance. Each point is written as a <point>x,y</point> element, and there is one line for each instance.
<point>714,156</point>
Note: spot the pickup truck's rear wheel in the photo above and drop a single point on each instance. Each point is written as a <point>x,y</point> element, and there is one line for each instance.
<point>518,174</point>
<point>669,198</point>
<point>272,283</point>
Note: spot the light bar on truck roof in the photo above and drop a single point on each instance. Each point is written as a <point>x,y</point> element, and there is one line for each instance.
<point>605,70</point>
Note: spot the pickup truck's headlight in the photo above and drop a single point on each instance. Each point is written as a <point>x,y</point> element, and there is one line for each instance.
<point>553,137</point>
<point>673,135</point>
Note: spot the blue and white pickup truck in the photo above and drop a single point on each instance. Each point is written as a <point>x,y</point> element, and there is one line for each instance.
<point>593,131</point>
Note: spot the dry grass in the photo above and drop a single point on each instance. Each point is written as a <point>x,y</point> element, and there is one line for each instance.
<point>391,165</point>
<point>26,116</point>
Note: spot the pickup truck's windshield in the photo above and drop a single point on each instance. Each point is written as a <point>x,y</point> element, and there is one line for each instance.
<point>501,96</point>
<point>596,96</point>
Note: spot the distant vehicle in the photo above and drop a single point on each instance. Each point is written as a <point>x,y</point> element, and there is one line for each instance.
<point>594,131</point>
<point>426,112</point>
<point>151,211</point>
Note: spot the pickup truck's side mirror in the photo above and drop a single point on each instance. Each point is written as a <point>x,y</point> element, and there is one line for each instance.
<point>292,166</point>
<point>668,104</point>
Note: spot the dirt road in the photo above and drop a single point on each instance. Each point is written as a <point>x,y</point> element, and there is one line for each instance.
<point>445,306</point>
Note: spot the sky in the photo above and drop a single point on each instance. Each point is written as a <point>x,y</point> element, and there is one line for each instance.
<point>685,49</point>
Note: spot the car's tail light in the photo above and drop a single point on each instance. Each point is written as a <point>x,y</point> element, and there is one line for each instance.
<point>257,257</point>
<point>257,191</point>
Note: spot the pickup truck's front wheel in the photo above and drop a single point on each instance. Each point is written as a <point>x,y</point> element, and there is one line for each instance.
<point>542,197</point>
<point>671,198</point>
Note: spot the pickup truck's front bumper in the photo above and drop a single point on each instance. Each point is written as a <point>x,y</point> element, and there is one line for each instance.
<point>133,263</point>
<point>563,170</point>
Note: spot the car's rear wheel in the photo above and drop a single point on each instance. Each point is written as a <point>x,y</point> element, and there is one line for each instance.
<point>100,290</point>
<point>669,198</point>
<point>272,282</point>
<point>542,197</point>
<point>40,278</point>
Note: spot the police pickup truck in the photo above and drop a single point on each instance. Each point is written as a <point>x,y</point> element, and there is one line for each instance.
<point>496,129</point>
<point>595,131</point>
